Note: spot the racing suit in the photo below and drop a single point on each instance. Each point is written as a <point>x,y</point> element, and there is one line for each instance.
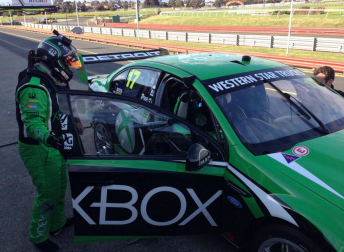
<point>38,116</point>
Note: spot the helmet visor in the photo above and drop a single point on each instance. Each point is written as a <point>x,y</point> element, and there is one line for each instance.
<point>73,61</point>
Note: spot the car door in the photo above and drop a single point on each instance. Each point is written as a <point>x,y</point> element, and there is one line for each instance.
<point>128,170</point>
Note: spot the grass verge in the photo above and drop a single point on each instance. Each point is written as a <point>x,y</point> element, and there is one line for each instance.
<point>224,19</point>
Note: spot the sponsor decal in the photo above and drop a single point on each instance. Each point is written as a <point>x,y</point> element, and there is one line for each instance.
<point>304,172</point>
<point>64,74</point>
<point>273,206</point>
<point>290,158</point>
<point>301,151</point>
<point>234,202</point>
<point>32,114</point>
<point>104,206</point>
<point>47,207</point>
<point>38,134</point>
<point>27,101</point>
<point>57,115</point>
<point>52,52</point>
<point>205,159</point>
<point>119,90</point>
<point>32,95</point>
<point>119,56</point>
<point>32,106</point>
<point>68,141</point>
<point>64,121</point>
<point>42,226</point>
<point>66,48</point>
<point>136,75</point>
<point>229,236</point>
<point>233,82</point>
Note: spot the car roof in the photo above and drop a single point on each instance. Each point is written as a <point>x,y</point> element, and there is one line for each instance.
<point>211,65</point>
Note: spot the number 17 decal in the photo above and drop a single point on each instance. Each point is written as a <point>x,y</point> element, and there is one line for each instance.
<point>136,74</point>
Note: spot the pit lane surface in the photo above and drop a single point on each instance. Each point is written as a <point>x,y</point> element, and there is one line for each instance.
<point>16,190</point>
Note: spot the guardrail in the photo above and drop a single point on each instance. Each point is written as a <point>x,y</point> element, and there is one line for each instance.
<point>252,12</point>
<point>293,61</point>
<point>300,43</point>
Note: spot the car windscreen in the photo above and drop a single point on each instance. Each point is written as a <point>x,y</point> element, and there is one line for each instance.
<point>273,110</point>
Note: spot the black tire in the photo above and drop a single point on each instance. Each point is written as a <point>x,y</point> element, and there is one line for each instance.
<point>103,139</point>
<point>280,238</point>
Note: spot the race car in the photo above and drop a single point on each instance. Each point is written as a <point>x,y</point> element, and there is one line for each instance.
<point>207,143</point>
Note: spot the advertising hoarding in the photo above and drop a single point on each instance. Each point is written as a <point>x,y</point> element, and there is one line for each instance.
<point>31,3</point>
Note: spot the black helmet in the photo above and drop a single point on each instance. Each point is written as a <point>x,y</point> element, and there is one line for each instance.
<point>58,54</point>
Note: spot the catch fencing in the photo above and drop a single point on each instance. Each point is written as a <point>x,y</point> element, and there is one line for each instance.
<point>335,45</point>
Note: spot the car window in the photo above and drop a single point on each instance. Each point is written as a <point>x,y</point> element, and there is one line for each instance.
<point>136,83</point>
<point>117,127</point>
<point>187,104</point>
<point>118,83</point>
<point>274,115</point>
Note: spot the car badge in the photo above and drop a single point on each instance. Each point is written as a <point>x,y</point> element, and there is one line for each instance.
<point>301,151</point>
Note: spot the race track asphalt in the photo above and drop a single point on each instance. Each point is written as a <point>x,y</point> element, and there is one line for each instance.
<point>16,190</point>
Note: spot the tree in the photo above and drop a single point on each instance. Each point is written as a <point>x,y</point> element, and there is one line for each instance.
<point>57,2</point>
<point>146,3</point>
<point>99,8</point>
<point>172,3</point>
<point>218,3</point>
<point>154,3</point>
<point>83,7</point>
<point>179,3</point>
<point>125,5</point>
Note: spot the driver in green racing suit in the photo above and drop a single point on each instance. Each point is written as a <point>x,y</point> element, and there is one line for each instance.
<point>40,135</point>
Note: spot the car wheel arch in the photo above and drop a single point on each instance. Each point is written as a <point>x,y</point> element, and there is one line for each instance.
<point>305,227</point>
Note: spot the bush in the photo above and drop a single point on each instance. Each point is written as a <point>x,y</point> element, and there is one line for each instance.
<point>320,10</point>
<point>306,8</point>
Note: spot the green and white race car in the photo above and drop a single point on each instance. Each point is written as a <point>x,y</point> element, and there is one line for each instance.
<point>204,143</point>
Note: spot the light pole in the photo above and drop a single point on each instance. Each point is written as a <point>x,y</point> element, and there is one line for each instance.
<point>77,15</point>
<point>10,14</point>
<point>290,19</point>
<point>137,19</point>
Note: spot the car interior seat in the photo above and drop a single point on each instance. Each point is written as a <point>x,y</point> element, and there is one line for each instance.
<point>129,135</point>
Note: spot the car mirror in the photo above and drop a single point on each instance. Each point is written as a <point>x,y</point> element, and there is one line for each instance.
<point>197,157</point>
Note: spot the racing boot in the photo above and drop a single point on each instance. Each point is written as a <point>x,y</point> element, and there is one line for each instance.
<point>47,246</point>
<point>69,222</point>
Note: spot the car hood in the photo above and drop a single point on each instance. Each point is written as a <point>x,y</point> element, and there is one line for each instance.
<point>317,164</point>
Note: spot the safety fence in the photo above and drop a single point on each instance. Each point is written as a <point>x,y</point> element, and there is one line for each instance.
<point>292,61</point>
<point>300,43</point>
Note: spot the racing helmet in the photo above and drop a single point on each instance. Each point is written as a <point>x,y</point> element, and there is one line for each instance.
<point>58,54</point>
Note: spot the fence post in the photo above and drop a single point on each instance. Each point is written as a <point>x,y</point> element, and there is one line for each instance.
<point>186,37</point>
<point>209,40</point>
<point>314,44</point>
<point>166,35</point>
<point>101,30</point>
<point>149,34</point>
<point>237,40</point>
<point>122,34</point>
<point>272,42</point>
<point>134,33</point>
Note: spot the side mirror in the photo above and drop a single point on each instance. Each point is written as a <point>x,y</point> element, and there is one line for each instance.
<point>197,157</point>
